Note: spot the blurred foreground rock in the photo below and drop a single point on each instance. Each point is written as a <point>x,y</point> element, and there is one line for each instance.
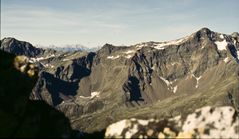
<point>206,122</point>
<point>20,116</point>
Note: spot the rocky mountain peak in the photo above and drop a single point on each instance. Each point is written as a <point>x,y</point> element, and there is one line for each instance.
<point>205,29</point>
<point>15,46</point>
<point>107,48</point>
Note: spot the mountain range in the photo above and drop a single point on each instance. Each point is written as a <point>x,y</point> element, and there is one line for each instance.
<point>71,48</point>
<point>144,80</point>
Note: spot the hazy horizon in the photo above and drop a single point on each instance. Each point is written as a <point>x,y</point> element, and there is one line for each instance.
<point>94,23</point>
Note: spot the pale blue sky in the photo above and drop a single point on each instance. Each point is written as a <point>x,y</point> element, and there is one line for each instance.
<point>96,22</point>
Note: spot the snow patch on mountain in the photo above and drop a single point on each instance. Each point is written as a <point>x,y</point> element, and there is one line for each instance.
<point>175,89</point>
<point>166,81</point>
<point>113,57</point>
<point>238,54</point>
<point>47,65</point>
<point>221,36</point>
<point>92,95</point>
<point>129,52</point>
<point>128,56</point>
<point>221,45</point>
<point>161,45</point>
<point>234,41</point>
<point>33,60</point>
<point>226,59</point>
<point>174,42</point>
<point>197,78</point>
<point>170,85</point>
<point>66,59</point>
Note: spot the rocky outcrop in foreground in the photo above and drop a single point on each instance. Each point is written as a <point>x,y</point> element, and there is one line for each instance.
<point>206,122</point>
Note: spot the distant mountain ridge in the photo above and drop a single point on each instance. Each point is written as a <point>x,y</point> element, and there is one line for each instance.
<point>145,80</point>
<point>76,47</point>
<point>70,48</point>
<point>15,46</point>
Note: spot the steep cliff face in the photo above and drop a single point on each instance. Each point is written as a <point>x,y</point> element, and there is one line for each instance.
<point>149,79</point>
